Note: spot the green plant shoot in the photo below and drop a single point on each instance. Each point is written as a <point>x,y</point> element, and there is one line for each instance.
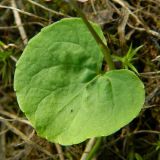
<point>128,58</point>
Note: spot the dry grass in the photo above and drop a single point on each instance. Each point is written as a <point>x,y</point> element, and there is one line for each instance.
<point>123,23</point>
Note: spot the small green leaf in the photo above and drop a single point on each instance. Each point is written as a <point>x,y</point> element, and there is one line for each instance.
<point>128,58</point>
<point>132,68</point>
<point>138,156</point>
<point>60,88</point>
<point>157,145</point>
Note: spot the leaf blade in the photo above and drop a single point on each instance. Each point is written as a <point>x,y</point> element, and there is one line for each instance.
<point>62,89</point>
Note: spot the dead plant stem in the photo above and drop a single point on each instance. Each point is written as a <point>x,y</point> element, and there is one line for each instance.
<point>19,23</point>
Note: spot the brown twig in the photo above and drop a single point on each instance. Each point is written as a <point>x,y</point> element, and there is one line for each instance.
<point>14,117</point>
<point>2,141</point>
<point>149,31</point>
<point>60,152</point>
<point>22,24</point>
<point>48,9</point>
<point>93,7</point>
<point>88,148</point>
<point>150,73</point>
<point>121,27</point>
<point>27,140</point>
<point>24,12</point>
<point>19,23</point>
<point>123,4</point>
<point>146,131</point>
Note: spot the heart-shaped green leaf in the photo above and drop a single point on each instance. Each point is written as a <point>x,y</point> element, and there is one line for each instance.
<point>61,89</point>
